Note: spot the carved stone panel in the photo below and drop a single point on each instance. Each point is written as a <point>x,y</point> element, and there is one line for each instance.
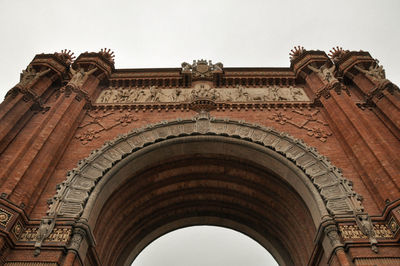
<point>153,94</point>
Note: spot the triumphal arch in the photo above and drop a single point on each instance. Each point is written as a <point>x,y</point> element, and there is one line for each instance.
<point>97,162</point>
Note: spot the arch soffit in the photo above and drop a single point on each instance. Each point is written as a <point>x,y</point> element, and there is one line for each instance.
<point>333,194</point>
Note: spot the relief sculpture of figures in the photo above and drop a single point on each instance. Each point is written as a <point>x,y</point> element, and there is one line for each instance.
<point>155,94</point>
<point>29,75</point>
<point>239,93</point>
<point>325,73</point>
<point>205,92</point>
<point>375,71</point>
<point>80,76</point>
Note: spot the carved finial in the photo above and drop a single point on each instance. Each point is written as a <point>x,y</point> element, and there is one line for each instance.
<point>296,52</point>
<point>336,53</point>
<point>66,56</point>
<point>108,54</point>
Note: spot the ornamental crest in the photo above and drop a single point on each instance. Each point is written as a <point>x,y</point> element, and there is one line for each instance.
<point>202,69</point>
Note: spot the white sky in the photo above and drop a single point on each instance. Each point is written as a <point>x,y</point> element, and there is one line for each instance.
<point>165,33</point>
<point>186,247</point>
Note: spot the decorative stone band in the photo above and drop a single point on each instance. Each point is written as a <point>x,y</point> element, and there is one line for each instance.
<point>30,234</point>
<point>352,232</point>
<point>155,94</point>
<point>336,191</point>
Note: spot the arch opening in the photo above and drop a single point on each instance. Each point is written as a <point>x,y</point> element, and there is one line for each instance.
<point>203,180</point>
<point>204,245</point>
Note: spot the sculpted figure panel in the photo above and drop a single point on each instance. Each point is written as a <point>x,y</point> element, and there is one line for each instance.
<point>154,94</point>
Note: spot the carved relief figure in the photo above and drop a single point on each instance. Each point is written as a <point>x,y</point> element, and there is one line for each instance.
<point>365,224</point>
<point>284,94</point>
<point>155,94</point>
<point>242,95</point>
<point>325,73</point>
<point>186,67</point>
<point>204,91</point>
<point>80,76</point>
<point>45,229</point>
<point>140,96</point>
<point>297,94</point>
<point>176,95</point>
<point>218,66</point>
<point>105,98</point>
<point>29,75</point>
<point>375,71</point>
<point>274,93</point>
<point>123,95</point>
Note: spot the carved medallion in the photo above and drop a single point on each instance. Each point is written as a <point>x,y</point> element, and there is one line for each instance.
<point>5,217</point>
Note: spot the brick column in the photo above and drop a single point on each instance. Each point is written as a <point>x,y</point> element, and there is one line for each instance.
<point>369,77</point>
<point>26,176</point>
<point>29,95</point>
<point>369,152</point>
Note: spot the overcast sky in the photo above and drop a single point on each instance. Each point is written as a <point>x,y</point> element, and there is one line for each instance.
<point>165,33</point>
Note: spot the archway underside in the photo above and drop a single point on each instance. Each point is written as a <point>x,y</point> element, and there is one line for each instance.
<point>188,191</point>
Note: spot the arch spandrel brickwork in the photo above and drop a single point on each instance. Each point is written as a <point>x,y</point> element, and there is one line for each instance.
<point>334,189</point>
<point>342,104</point>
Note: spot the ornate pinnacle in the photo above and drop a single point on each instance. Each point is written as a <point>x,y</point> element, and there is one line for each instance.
<point>337,53</point>
<point>66,56</point>
<point>296,52</point>
<point>108,54</point>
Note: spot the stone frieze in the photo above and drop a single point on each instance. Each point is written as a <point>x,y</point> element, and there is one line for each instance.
<point>154,94</point>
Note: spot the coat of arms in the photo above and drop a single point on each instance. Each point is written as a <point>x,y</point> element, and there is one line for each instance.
<point>202,69</point>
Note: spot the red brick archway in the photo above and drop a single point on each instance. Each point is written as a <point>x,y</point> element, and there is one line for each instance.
<point>203,178</point>
<point>196,145</point>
